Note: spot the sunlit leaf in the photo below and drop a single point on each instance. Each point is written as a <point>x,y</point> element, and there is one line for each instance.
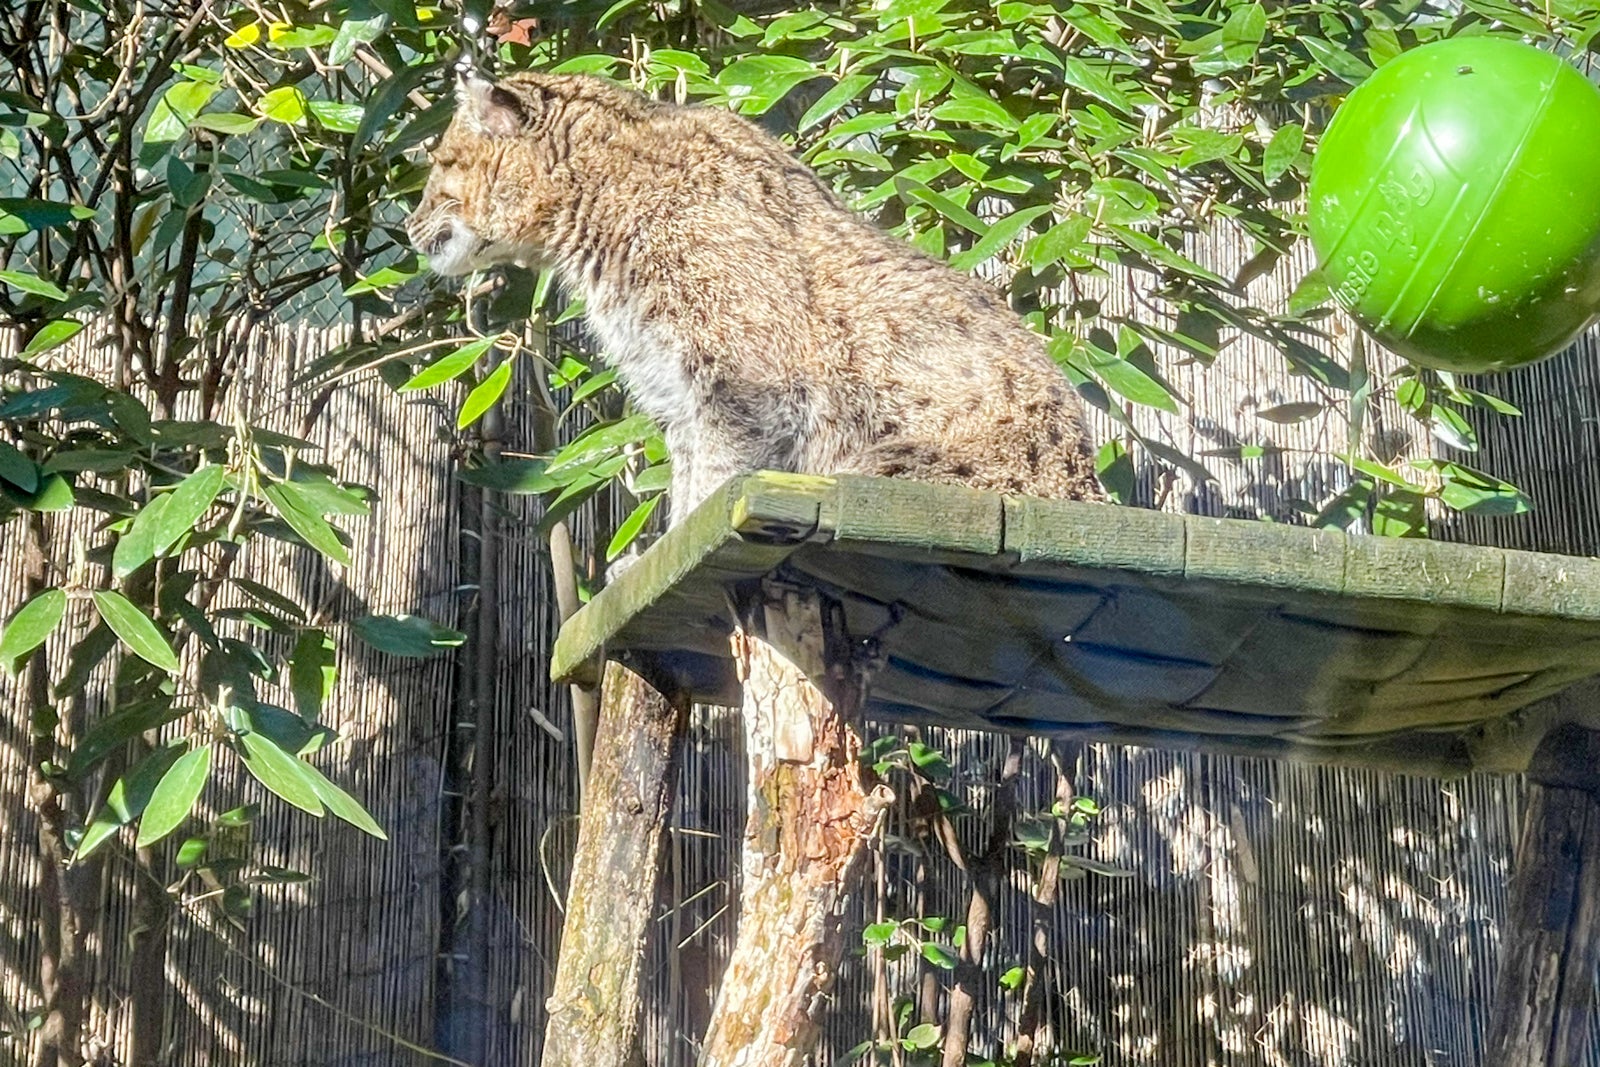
<point>31,626</point>
<point>135,629</point>
<point>285,776</point>
<point>484,395</point>
<point>174,796</point>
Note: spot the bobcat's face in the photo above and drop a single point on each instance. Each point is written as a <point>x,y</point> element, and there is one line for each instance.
<point>495,182</point>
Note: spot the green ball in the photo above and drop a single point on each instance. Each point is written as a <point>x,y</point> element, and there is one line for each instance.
<point>1454,205</point>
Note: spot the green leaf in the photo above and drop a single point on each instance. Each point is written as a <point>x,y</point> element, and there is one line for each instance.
<point>923,1036</point>
<point>1120,375</point>
<point>19,215</point>
<point>282,774</point>
<point>311,673</point>
<point>1449,427</point>
<point>289,501</point>
<point>387,99</point>
<point>175,796</point>
<point>342,804</point>
<point>137,545</point>
<point>17,468</point>
<point>939,956</point>
<point>1012,979</point>
<point>1291,413</point>
<point>32,283</point>
<point>226,122</point>
<point>352,34</point>
<point>510,476</point>
<point>975,111</point>
<point>302,37</point>
<point>1312,292</point>
<point>53,493</point>
<point>411,636</point>
<point>1114,467</point>
<point>31,626</point>
<point>600,441</point>
<point>176,109</point>
<point>340,118</point>
<point>272,598</point>
<point>755,83</point>
<point>1341,62</point>
<point>1281,152</point>
<point>135,629</point>
<point>484,395</point>
<point>915,191</point>
<point>1081,75</point>
<point>286,104</point>
<point>630,527</point>
<point>878,934</point>
<point>185,505</point>
<point>998,236</point>
<point>1243,33</point>
<point>1117,201</point>
<point>843,92</point>
<point>113,731</point>
<point>127,799</point>
<point>52,334</point>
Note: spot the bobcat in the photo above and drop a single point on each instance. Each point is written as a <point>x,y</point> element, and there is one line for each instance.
<point>762,323</point>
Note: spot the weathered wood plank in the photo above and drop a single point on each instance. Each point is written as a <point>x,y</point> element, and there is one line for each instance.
<point>1179,624</point>
<point>594,1006</point>
<point>1044,534</point>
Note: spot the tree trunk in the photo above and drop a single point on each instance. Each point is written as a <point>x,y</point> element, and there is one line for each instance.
<point>1545,993</point>
<point>811,816</point>
<point>594,1008</point>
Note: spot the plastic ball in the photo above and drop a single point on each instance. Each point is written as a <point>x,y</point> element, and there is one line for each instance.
<point>1454,205</point>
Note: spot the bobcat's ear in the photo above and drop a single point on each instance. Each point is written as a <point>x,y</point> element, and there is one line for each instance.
<point>493,110</point>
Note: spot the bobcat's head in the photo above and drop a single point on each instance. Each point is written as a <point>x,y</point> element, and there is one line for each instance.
<point>506,167</point>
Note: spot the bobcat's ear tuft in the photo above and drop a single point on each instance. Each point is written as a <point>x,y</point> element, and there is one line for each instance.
<point>493,110</point>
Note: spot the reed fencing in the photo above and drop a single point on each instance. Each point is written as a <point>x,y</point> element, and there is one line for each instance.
<point>1264,914</point>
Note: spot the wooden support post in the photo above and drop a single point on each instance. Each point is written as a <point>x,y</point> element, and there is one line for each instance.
<point>1548,956</point>
<point>811,816</point>
<point>594,1008</point>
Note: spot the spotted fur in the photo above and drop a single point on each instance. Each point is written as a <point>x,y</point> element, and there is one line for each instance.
<point>761,322</point>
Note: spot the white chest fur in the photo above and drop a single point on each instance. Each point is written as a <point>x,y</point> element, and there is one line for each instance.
<point>648,358</point>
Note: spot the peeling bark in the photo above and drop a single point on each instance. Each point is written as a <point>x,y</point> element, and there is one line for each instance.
<point>594,1008</point>
<point>811,817</point>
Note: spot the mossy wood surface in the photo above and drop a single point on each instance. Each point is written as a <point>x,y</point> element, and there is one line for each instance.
<point>1121,624</point>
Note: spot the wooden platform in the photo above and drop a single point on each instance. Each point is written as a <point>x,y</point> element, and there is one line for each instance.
<point>1121,624</point>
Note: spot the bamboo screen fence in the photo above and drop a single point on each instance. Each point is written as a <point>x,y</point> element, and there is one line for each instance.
<point>1267,914</point>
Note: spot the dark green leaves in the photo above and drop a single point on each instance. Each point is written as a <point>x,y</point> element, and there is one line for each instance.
<point>311,673</point>
<point>410,636</point>
<point>17,468</point>
<point>33,623</point>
